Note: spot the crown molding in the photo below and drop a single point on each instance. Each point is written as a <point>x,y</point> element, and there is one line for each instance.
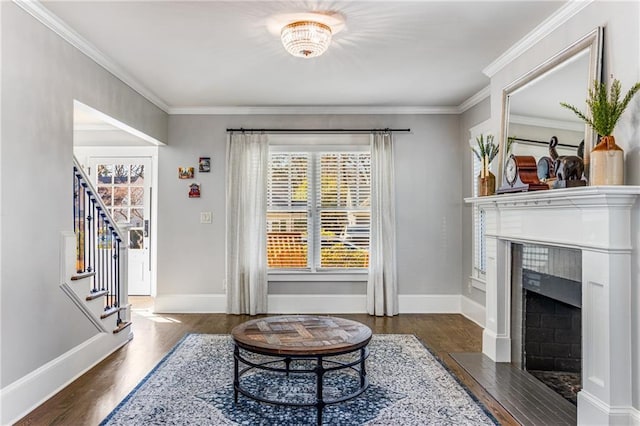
<point>474,100</point>
<point>553,22</point>
<point>312,110</point>
<point>58,26</point>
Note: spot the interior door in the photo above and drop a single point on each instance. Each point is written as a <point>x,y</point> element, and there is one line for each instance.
<point>124,184</point>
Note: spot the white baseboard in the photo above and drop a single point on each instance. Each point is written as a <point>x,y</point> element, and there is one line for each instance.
<point>498,348</point>
<point>317,303</point>
<point>473,310</point>
<point>190,303</point>
<point>593,411</point>
<point>429,303</point>
<point>25,394</point>
<point>635,417</point>
<point>308,303</point>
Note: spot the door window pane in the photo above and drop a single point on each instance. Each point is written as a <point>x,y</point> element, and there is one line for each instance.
<point>120,196</point>
<point>137,174</point>
<point>137,217</point>
<point>120,174</point>
<point>137,194</point>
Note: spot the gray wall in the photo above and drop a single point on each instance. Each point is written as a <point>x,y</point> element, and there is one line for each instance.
<point>428,191</point>
<point>470,118</point>
<point>41,76</point>
<point>621,22</point>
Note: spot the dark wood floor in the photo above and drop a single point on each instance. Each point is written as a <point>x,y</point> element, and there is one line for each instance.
<point>90,398</point>
<point>529,400</point>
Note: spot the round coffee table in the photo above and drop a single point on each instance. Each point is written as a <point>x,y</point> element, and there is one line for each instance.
<point>290,338</point>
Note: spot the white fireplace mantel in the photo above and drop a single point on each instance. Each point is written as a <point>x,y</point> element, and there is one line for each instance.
<point>598,220</point>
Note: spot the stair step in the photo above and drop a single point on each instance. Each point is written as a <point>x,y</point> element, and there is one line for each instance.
<point>82,276</point>
<point>121,327</point>
<point>108,312</point>
<point>97,294</point>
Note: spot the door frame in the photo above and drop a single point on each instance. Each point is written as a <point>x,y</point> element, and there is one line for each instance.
<point>84,154</point>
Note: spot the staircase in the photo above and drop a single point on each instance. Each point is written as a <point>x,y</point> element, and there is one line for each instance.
<point>94,271</point>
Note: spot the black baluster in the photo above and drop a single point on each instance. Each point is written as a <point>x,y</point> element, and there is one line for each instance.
<point>91,244</point>
<point>76,215</point>
<point>98,257</point>
<point>82,232</point>
<point>111,271</point>
<point>117,262</point>
<point>103,253</point>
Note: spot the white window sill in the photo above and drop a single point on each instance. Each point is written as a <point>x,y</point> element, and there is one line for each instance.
<point>317,276</point>
<point>478,283</point>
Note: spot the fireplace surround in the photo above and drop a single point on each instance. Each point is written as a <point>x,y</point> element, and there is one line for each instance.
<point>597,221</point>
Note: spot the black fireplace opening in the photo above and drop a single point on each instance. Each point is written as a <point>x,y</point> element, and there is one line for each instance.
<point>546,315</point>
<point>552,343</point>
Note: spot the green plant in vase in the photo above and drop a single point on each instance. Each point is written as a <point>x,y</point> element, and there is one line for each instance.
<point>485,152</point>
<point>604,110</point>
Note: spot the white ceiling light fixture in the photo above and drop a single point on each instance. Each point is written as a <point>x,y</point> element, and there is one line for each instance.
<point>306,35</point>
<point>306,39</point>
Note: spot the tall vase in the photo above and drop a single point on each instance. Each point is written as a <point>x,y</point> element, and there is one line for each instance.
<point>607,163</point>
<point>486,185</point>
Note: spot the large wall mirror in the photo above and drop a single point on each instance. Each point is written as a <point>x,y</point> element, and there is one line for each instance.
<point>531,112</point>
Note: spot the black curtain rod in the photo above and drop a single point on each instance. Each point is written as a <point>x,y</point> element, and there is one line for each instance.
<point>533,141</point>
<point>317,130</point>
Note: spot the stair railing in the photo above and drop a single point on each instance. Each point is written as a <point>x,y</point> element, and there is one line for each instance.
<point>100,244</point>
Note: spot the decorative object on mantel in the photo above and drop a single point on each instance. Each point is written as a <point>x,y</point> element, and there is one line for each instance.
<point>485,153</point>
<point>546,171</point>
<point>605,108</point>
<point>568,169</point>
<point>521,175</point>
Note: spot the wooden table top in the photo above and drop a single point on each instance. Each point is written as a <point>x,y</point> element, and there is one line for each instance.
<point>301,335</point>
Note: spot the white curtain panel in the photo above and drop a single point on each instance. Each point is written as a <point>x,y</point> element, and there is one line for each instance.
<point>246,267</point>
<point>382,284</point>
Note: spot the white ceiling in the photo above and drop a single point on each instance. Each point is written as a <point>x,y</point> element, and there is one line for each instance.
<point>223,54</point>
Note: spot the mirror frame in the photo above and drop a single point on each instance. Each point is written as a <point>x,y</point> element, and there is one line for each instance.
<point>591,41</point>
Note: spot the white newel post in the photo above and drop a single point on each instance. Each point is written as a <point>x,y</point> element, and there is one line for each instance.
<point>596,220</point>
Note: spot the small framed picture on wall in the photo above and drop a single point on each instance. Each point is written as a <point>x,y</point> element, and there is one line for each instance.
<point>194,190</point>
<point>204,164</point>
<point>185,172</point>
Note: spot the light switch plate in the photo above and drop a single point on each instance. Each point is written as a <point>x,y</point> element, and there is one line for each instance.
<point>206,217</point>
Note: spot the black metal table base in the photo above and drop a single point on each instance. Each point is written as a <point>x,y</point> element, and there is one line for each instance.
<point>320,369</point>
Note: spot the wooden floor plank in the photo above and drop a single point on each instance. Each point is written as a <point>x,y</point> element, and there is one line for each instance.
<point>529,401</point>
<point>91,397</point>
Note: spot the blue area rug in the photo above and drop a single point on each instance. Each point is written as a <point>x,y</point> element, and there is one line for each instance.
<point>193,385</point>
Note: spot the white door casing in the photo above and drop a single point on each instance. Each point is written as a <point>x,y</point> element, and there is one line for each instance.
<point>124,184</point>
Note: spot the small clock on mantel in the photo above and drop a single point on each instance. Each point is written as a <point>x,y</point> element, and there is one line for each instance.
<point>521,175</point>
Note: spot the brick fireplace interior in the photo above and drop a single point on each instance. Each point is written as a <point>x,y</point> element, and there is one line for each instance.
<point>546,319</point>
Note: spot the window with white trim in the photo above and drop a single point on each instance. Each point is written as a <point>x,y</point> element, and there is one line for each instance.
<point>318,208</point>
<point>479,240</point>
<point>479,253</point>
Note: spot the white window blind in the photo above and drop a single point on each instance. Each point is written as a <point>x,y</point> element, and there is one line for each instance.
<point>343,209</point>
<point>288,210</point>
<point>318,210</point>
